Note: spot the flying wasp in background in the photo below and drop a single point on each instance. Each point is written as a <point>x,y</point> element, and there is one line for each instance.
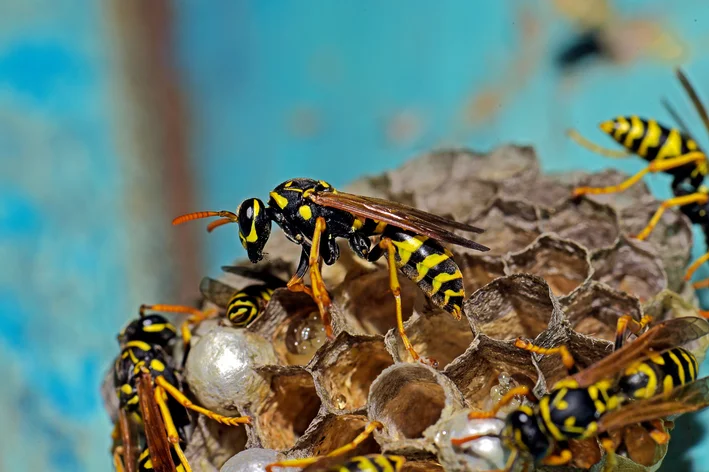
<point>644,381</point>
<point>313,215</point>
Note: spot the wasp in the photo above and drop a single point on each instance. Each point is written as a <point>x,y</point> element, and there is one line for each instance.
<point>314,215</point>
<point>331,461</point>
<point>640,382</point>
<point>149,393</point>
<point>669,150</point>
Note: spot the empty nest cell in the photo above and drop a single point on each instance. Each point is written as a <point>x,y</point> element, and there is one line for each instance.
<point>434,334</point>
<point>289,407</point>
<point>408,399</point>
<point>510,225</point>
<point>563,264</point>
<point>510,307</point>
<point>330,432</point>
<point>346,368</point>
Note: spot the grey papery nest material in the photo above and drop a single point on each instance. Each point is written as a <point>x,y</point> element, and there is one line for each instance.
<point>559,271</point>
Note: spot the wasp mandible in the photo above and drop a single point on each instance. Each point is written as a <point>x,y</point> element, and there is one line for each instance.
<point>313,215</point>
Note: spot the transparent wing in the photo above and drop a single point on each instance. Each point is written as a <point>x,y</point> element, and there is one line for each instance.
<point>660,337</point>
<point>400,216</point>
<point>685,399</point>
<point>216,292</point>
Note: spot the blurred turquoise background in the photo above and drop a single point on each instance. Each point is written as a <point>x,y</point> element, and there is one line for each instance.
<point>116,116</point>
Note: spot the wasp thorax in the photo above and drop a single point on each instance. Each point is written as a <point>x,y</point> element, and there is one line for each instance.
<point>523,431</point>
<point>254,227</point>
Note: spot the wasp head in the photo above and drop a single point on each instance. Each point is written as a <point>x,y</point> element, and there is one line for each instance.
<point>152,329</point>
<point>254,227</point>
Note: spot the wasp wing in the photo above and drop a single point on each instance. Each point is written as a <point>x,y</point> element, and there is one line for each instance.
<point>684,399</point>
<point>155,433</point>
<point>256,274</point>
<point>126,428</point>
<point>660,337</point>
<point>694,97</point>
<point>400,216</point>
<point>216,292</point>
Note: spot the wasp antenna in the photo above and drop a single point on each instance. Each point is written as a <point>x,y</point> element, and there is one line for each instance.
<point>172,309</point>
<point>205,214</point>
<point>216,224</point>
<point>460,441</point>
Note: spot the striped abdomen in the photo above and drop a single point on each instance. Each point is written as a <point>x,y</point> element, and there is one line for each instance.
<point>659,374</point>
<point>648,139</point>
<point>371,463</point>
<point>426,262</point>
<point>246,304</point>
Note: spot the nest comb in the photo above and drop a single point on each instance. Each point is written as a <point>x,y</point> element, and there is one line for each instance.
<point>559,271</point>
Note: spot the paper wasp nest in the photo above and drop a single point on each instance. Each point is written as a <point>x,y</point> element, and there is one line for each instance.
<point>558,270</point>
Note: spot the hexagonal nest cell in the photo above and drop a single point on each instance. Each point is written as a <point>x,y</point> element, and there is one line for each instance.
<point>561,270</point>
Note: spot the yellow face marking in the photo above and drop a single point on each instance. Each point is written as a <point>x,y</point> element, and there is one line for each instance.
<point>443,277</point>
<point>305,212</point>
<point>636,131</point>
<point>280,200</point>
<point>252,237</point>
<point>651,139</point>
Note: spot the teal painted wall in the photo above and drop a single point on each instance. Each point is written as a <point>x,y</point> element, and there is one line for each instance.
<point>275,89</point>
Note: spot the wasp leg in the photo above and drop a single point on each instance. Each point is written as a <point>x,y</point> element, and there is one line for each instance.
<point>118,459</point>
<point>591,146</point>
<point>320,295</point>
<point>505,400</point>
<point>172,435</point>
<point>337,452</point>
<point>609,447</point>
<point>566,358</point>
<point>657,432</point>
<point>386,245</point>
<point>295,284</point>
<point>677,201</point>
<point>627,323</point>
<point>562,458</point>
<point>184,401</point>
<point>655,166</point>
<point>693,268</point>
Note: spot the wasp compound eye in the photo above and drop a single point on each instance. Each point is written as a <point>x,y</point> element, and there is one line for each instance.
<point>254,227</point>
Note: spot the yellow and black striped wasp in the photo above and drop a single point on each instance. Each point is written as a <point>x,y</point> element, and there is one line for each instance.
<point>242,306</point>
<point>313,215</point>
<point>332,462</point>
<point>150,397</point>
<point>669,150</point>
<point>642,382</point>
